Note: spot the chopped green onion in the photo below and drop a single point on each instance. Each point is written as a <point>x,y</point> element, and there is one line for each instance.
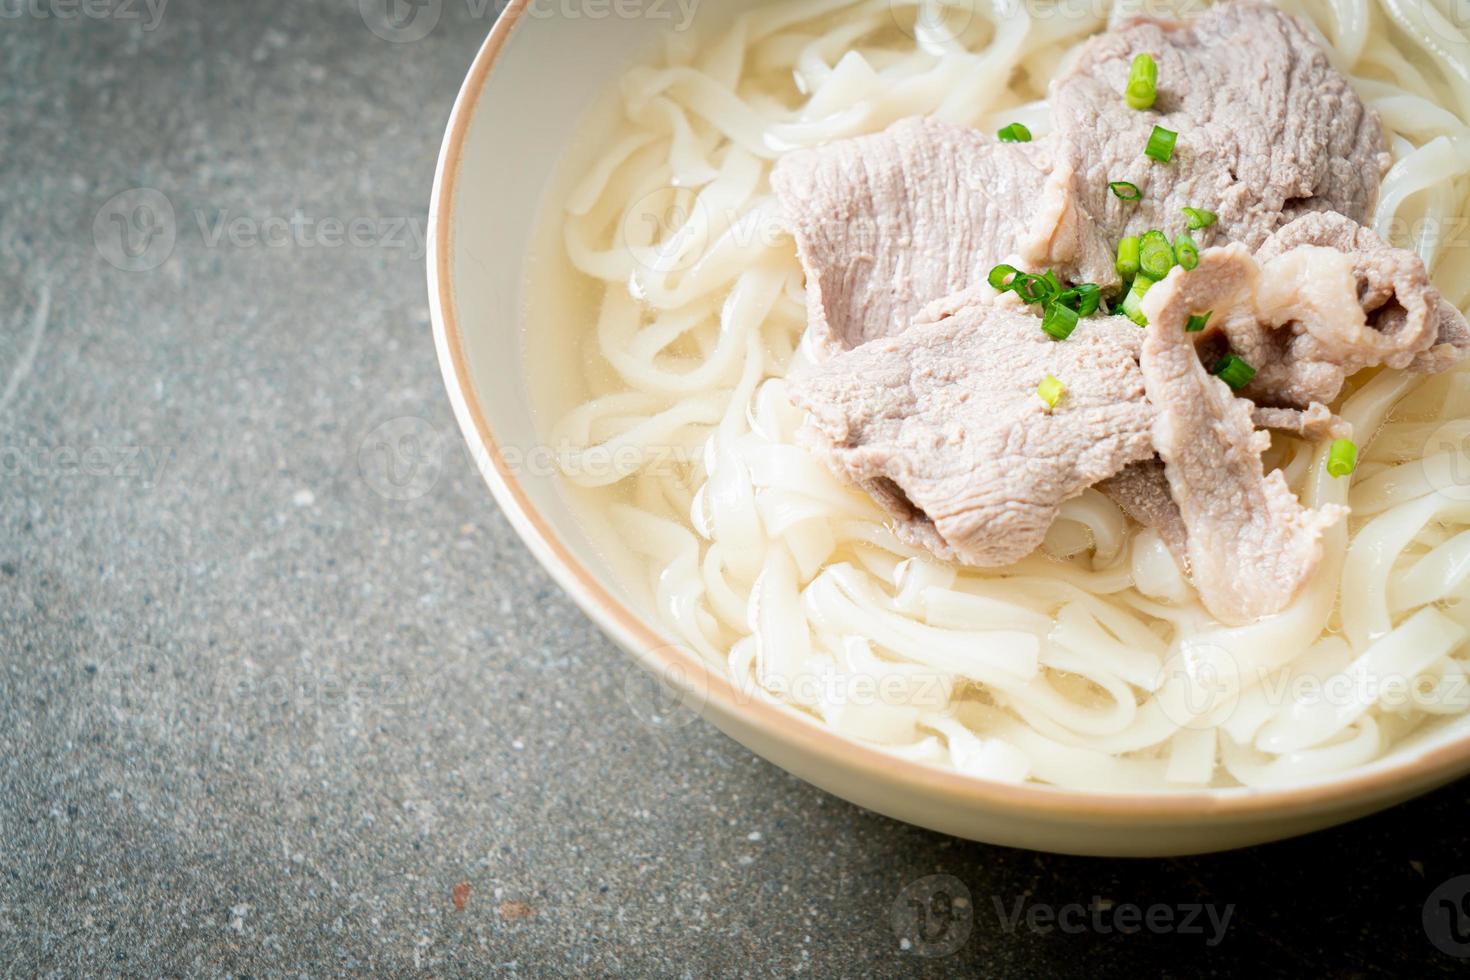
<point>1161,144</point>
<point>1342,458</point>
<point>1127,263</point>
<point>1048,287</point>
<point>1085,299</point>
<point>1091,295</point>
<point>1125,191</point>
<point>1143,78</point>
<point>1051,391</point>
<point>1234,371</point>
<point>1059,321</point>
<point>1015,133</point>
<point>1198,322</point>
<point>1199,218</point>
<point>1028,287</point>
<point>1155,256</point>
<point>1053,284</point>
<point>1003,277</point>
<point>1132,303</point>
<point>1186,252</point>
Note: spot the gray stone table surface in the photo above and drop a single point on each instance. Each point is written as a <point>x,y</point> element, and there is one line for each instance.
<point>258,718</point>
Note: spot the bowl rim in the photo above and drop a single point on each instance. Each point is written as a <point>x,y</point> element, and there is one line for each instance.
<point>663,654</point>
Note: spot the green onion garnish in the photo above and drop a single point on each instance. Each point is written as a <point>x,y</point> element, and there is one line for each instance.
<point>1342,458</point>
<point>1085,299</point>
<point>1198,322</point>
<point>1059,321</point>
<point>1015,133</point>
<point>1143,80</point>
<point>1199,218</point>
<point>1051,391</point>
<point>1161,144</point>
<point>1125,191</point>
<point>1132,307</point>
<point>1127,263</point>
<point>1186,252</point>
<point>1002,277</point>
<point>1155,256</point>
<point>1031,289</point>
<point>1234,371</point>
<point>1061,309</point>
<point>1053,284</point>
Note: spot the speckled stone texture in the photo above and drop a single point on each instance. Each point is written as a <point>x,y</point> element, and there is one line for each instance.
<point>259,716</point>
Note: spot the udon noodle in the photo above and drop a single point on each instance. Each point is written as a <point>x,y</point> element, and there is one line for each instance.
<point>1090,663</point>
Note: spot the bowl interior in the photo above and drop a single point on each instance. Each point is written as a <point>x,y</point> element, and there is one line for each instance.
<point>551,98</point>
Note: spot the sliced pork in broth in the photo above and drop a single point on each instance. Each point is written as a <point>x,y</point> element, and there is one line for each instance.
<point>946,420</point>
<point>973,430</point>
<point>1064,428</point>
<point>1266,128</point>
<point>1251,545</point>
<point>887,223</point>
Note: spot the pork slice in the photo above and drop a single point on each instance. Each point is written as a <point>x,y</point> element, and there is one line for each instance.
<point>1333,298</point>
<point>1313,423</point>
<point>887,223</point>
<point>1406,315</point>
<point>1251,544</point>
<point>1268,129</point>
<point>1141,490</point>
<point>943,425</point>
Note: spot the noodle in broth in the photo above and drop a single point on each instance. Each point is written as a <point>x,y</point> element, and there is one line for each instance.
<point>1090,663</point>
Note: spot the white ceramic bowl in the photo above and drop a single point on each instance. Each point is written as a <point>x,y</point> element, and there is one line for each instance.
<point>525,96</point>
